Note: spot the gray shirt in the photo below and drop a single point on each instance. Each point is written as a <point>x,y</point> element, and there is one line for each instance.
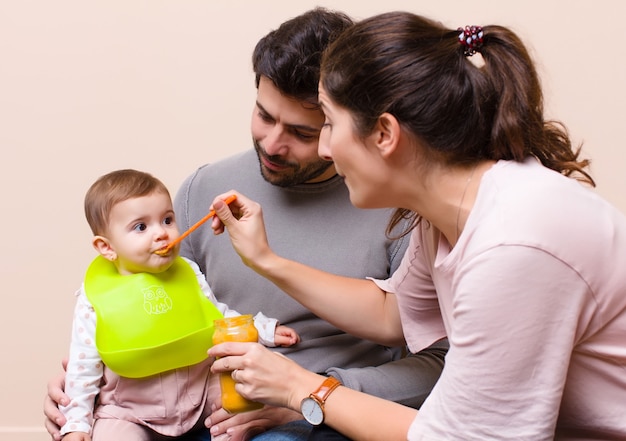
<point>314,224</point>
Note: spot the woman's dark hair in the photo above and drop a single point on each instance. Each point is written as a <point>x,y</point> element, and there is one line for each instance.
<point>415,69</point>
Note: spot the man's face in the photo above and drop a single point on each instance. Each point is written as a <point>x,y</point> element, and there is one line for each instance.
<point>286,132</point>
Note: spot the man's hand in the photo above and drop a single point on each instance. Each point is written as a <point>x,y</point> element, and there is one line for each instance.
<point>243,426</point>
<point>56,395</point>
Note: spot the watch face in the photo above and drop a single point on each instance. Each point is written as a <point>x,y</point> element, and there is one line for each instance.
<point>312,411</point>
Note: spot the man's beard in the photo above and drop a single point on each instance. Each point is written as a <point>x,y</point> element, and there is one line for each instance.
<point>294,174</point>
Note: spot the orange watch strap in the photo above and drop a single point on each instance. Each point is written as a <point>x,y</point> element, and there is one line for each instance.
<point>325,389</point>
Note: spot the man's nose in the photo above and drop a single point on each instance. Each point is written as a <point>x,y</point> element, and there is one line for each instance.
<point>274,143</point>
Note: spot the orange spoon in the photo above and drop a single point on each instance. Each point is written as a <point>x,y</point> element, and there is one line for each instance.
<point>163,251</point>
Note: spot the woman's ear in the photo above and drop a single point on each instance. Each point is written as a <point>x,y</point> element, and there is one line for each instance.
<point>388,133</point>
<point>102,246</point>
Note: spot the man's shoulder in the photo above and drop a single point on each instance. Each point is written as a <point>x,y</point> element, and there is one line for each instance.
<point>236,161</point>
<point>215,174</point>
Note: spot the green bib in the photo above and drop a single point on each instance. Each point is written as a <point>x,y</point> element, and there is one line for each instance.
<point>149,323</point>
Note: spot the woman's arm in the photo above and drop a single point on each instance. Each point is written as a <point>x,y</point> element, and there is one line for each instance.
<point>350,304</point>
<point>272,378</point>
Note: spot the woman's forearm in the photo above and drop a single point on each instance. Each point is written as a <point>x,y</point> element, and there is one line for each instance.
<point>348,303</point>
<point>357,415</point>
<point>274,379</point>
<point>364,417</point>
<point>352,305</point>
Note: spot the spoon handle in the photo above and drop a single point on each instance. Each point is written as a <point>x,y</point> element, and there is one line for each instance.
<point>179,239</point>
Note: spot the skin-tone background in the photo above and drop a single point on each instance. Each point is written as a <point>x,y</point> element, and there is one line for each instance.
<point>165,86</point>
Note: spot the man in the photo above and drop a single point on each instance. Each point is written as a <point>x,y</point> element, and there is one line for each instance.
<point>309,218</point>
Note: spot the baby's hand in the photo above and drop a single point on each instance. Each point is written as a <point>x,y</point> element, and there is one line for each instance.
<point>285,336</point>
<point>76,436</point>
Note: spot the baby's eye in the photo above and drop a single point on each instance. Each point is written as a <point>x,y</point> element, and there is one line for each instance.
<point>140,227</point>
<point>168,220</point>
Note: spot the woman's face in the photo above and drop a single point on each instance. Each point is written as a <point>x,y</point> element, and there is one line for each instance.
<point>355,159</point>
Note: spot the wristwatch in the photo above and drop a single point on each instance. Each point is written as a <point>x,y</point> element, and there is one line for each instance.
<point>312,407</point>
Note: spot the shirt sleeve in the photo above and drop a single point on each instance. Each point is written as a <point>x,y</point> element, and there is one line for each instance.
<point>514,317</point>
<point>416,293</point>
<point>84,369</point>
<point>267,329</point>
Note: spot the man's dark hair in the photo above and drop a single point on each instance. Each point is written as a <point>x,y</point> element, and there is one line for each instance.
<point>290,56</point>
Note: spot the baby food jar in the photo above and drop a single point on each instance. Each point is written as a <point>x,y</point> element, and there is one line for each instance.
<point>240,328</point>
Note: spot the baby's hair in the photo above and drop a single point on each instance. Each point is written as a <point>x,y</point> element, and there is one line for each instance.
<point>116,187</point>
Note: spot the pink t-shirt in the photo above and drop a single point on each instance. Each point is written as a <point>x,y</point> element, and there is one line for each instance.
<point>533,300</point>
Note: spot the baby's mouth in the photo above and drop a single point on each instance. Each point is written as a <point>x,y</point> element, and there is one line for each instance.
<point>162,251</point>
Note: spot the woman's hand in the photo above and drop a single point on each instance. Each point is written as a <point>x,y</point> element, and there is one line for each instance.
<point>271,378</point>
<point>243,219</point>
<point>264,376</point>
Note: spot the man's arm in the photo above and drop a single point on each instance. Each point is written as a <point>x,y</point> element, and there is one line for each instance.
<point>407,381</point>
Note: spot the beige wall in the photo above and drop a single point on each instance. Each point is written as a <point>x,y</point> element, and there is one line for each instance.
<point>164,86</point>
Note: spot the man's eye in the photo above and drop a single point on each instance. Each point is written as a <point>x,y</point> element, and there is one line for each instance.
<point>307,136</point>
<point>265,117</point>
<point>140,227</point>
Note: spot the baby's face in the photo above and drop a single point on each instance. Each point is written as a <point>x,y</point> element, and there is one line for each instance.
<point>137,228</point>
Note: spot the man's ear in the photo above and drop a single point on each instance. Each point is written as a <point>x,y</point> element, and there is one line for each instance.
<point>387,133</point>
<point>102,246</point>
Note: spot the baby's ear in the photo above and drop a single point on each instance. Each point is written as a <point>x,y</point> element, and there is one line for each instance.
<point>102,246</point>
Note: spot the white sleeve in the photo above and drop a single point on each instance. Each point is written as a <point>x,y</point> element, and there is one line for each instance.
<point>84,369</point>
<point>264,325</point>
<point>267,329</point>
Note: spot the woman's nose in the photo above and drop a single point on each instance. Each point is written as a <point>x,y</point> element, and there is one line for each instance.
<point>323,150</point>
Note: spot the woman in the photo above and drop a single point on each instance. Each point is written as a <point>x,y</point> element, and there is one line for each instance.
<point>512,258</point>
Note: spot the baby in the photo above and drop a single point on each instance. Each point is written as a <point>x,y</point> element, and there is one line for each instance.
<point>143,322</point>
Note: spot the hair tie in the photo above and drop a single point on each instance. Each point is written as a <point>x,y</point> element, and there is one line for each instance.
<point>471,38</point>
